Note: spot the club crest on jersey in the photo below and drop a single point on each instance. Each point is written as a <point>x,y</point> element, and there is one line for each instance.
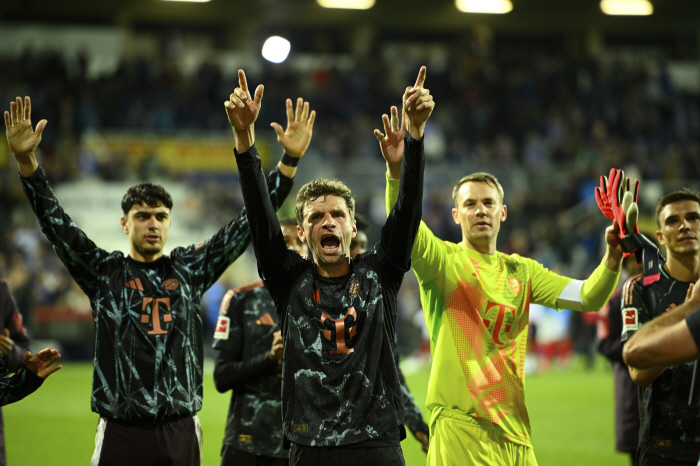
<point>353,288</point>
<point>630,319</point>
<point>170,284</point>
<point>514,285</point>
<point>223,325</point>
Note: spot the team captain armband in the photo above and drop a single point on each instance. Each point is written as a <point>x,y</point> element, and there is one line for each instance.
<point>693,321</point>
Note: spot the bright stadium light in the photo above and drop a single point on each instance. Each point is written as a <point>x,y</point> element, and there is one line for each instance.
<point>347,4</point>
<point>497,7</point>
<point>276,49</point>
<point>627,7</point>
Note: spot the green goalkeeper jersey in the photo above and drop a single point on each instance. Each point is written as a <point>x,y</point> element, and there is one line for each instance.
<point>477,309</point>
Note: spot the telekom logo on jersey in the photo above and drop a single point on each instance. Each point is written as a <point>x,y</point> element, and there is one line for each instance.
<point>154,316</point>
<point>499,311</point>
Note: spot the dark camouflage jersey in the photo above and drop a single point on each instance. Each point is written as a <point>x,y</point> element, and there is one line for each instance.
<point>148,329</point>
<point>413,416</point>
<point>669,427</point>
<point>15,387</point>
<point>242,340</point>
<point>340,383</point>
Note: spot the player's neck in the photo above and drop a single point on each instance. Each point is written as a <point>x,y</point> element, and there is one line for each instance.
<point>685,268</point>
<point>333,270</point>
<point>488,247</point>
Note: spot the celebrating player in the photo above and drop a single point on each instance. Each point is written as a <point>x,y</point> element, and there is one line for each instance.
<point>147,382</point>
<point>249,350</point>
<point>665,416</point>
<point>476,301</point>
<point>340,386</point>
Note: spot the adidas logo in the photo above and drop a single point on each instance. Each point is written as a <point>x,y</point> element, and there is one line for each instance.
<point>134,284</point>
<point>265,320</point>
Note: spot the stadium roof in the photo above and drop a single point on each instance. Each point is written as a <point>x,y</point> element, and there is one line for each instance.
<point>528,16</point>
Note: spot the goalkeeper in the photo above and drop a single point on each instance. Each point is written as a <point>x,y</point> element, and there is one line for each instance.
<point>476,303</point>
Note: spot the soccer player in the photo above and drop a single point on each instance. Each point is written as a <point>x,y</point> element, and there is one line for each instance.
<point>248,345</point>
<point>32,372</point>
<point>341,397</point>
<point>666,419</point>
<point>413,417</point>
<point>14,343</point>
<point>476,301</point>
<point>148,361</point>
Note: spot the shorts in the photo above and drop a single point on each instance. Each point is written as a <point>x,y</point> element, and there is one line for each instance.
<point>457,439</point>
<point>233,457</point>
<point>176,443</point>
<point>302,455</point>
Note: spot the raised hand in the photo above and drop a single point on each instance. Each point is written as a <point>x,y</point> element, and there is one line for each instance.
<point>242,111</point>
<point>300,124</point>
<point>391,143</point>
<point>418,104</point>
<point>41,362</point>
<point>21,137</point>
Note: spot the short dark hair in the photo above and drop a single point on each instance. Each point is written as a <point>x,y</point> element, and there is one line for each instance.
<point>478,177</point>
<point>671,198</point>
<point>323,187</point>
<point>146,194</point>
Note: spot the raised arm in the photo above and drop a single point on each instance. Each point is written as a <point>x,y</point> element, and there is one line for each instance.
<point>242,110</point>
<point>399,232</point>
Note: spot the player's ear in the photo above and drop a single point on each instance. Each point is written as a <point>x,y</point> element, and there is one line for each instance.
<point>505,213</point>
<point>455,216</point>
<point>660,238</point>
<point>300,232</point>
<point>125,227</point>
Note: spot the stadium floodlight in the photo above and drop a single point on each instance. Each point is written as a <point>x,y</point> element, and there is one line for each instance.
<point>347,4</point>
<point>627,7</point>
<point>496,7</point>
<point>276,49</point>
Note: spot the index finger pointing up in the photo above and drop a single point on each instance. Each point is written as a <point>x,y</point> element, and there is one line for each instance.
<point>421,77</point>
<point>242,82</point>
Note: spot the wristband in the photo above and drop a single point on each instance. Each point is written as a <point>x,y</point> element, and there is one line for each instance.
<point>289,160</point>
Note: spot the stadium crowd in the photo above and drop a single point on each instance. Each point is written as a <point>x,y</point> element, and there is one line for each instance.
<point>547,121</point>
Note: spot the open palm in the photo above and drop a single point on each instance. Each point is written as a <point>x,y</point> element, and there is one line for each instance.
<point>21,137</point>
<point>391,143</point>
<point>295,139</point>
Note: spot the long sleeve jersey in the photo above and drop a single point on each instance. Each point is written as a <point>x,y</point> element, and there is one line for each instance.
<point>476,310</point>
<point>340,384</point>
<point>668,425</point>
<point>242,341</point>
<point>148,357</point>
<point>15,387</point>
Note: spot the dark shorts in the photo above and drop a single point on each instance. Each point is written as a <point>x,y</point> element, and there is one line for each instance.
<point>646,459</point>
<point>233,457</point>
<point>174,443</point>
<point>302,455</point>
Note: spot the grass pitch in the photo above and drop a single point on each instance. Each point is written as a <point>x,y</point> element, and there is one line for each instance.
<point>571,414</point>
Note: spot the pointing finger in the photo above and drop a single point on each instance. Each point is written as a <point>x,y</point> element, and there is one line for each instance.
<point>242,82</point>
<point>421,77</point>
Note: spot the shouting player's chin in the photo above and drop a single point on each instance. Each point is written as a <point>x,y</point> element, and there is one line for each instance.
<point>330,252</point>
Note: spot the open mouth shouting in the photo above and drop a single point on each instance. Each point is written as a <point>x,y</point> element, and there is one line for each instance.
<point>330,245</point>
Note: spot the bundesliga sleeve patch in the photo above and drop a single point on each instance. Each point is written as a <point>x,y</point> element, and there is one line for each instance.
<point>223,325</point>
<point>630,319</point>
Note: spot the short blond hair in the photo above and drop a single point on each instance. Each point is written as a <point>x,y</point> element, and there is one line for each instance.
<point>478,177</point>
<point>322,187</point>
